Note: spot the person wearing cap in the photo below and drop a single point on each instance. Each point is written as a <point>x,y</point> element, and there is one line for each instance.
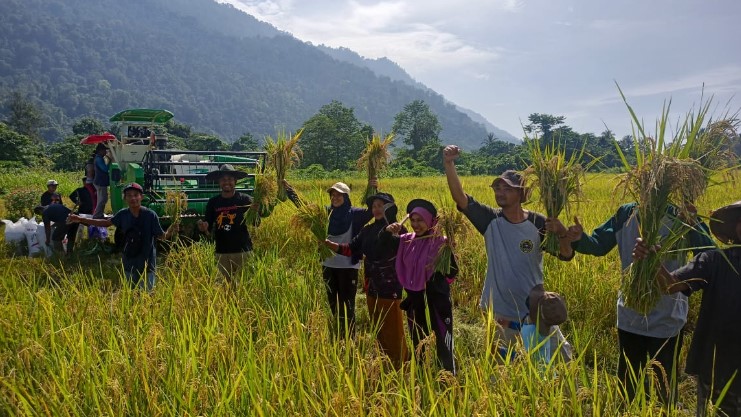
<point>140,226</point>
<point>51,188</point>
<point>382,288</point>
<point>101,181</point>
<point>340,272</point>
<point>714,356</point>
<point>224,221</point>
<point>426,288</point>
<point>546,310</point>
<point>56,228</point>
<point>657,335</point>
<point>514,254</point>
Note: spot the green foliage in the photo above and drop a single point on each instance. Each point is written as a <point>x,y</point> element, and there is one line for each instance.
<point>205,142</point>
<point>333,138</point>
<point>419,128</point>
<point>246,142</point>
<point>23,115</point>
<point>17,147</point>
<point>88,126</point>
<point>68,154</point>
<point>20,203</point>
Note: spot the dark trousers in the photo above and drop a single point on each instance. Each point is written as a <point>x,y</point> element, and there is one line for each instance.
<point>637,350</point>
<point>342,285</point>
<point>70,230</point>
<point>729,406</point>
<point>437,300</point>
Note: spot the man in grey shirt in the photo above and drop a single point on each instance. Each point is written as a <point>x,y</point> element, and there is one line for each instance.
<point>514,256</point>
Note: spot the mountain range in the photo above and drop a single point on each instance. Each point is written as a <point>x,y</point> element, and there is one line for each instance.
<point>216,68</point>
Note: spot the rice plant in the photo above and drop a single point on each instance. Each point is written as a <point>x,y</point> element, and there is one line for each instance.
<point>264,195</point>
<point>374,159</point>
<point>314,218</point>
<point>453,225</point>
<point>283,154</point>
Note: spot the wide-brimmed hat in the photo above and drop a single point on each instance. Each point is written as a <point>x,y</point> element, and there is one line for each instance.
<point>133,186</point>
<point>546,309</point>
<point>340,187</point>
<point>52,182</point>
<point>723,222</point>
<point>225,169</point>
<point>513,179</point>
<point>425,209</point>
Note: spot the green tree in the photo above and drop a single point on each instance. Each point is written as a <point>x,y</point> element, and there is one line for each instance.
<point>17,147</point>
<point>68,155</point>
<point>333,138</point>
<point>23,116</point>
<point>205,142</point>
<point>246,142</point>
<point>88,126</point>
<point>418,127</point>
<point>542,125</point>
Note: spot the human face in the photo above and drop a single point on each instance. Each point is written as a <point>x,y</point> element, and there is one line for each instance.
<point>51,188</point>
<point>418,224</point>
<point>133,199</point>
<point>336,198</point>
<point>227,184</point>
<point>56,200</point>
<point>505,194</point>
<point>377,209</point>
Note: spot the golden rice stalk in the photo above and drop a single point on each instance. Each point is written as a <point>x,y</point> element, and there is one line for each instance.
<point>558,179</point>
<point>375,158</point>
<point>176,202</point>
<point>451,224</point>
<point>283,154</point>
<point>313,218</point>
<point>712,148</point>
<point>264,195</point>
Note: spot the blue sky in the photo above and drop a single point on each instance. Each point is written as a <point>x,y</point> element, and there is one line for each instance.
<point>506,59</point>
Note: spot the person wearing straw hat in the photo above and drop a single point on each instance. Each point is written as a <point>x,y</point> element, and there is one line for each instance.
<point>140,226</point>
<point>426,288</point>
<point>513,238</point>
<point>51,188</point>
<point>658,334</point>
<point>224,221</point>
<point>101,181</point>
<point>714,356</point>
<point>382,288</point>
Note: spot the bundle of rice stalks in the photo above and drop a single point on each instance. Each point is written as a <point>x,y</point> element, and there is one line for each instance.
<point>558,179</point>
<point>283,154</point>
<point>663,177</point>
<point>176,203</point>
<point>264,195</point>
<point>451,224</point>
<point>375,158</point>
<point>711,147</point>
<point>313,218</point>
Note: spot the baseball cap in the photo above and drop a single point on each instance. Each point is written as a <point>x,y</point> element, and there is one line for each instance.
<point>133,186</point>
<point>340,187</point>
<point>52,182</point>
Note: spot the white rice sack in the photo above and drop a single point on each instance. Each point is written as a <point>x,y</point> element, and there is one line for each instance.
<point>15,232</point>
<point>34,246</point>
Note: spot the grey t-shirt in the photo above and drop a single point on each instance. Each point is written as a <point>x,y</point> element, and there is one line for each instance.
<point>514,258</point>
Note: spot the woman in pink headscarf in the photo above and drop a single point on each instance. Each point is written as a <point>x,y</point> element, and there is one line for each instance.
<point>425,288</point>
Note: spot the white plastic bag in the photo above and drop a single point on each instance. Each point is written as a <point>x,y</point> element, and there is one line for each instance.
<point>35,247</point>
<point>15,232</point>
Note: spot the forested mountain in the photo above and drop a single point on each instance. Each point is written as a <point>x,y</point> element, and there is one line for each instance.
<point>218,69</point>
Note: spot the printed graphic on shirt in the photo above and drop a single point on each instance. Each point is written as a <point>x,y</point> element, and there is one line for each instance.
<point>225,219</point>
<point>526,246</point>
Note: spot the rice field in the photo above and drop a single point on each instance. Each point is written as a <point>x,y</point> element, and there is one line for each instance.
<point>74,342</point>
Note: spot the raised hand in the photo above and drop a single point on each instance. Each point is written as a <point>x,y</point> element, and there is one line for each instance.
<point>451,153</point>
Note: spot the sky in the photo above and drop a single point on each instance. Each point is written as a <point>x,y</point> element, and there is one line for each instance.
<point>506,59</point>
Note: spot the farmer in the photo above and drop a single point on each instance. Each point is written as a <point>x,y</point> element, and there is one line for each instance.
<point>101,180</point>
<point>340,272</point>
<point>514,256</point>
<point>546,310</point>
<point>83,198</point>
<point>656,336</point>
<point>716,341</point>
<point>140,226</point>
<point>57,213</point>
<point>224,221</point>
<point>426,288</point>
<point>382,287</point>
<point>51,188</point>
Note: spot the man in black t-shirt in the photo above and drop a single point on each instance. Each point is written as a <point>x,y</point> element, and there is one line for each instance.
<point>224,221</point>
<point>57,213</point>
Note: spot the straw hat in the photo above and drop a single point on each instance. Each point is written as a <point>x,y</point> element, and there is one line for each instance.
<point>723,222</point>
<point>225,169</point>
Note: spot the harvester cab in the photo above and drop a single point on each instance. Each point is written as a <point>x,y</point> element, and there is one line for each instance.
<point>141,154</point>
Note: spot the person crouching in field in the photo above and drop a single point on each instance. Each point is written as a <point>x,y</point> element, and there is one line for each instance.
<point>426,288</point>
<point>513,250</point>
<point>57,213</point>
<point>715,352</point>
<point>382,287</point>
<point>547,310</point>
<point>656,336</point>
<point>140,226</point>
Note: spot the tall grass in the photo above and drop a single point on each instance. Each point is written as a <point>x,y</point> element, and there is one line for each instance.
<point>74,341</point>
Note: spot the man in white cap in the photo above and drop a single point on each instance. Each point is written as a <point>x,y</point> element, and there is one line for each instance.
<point>51,188</point>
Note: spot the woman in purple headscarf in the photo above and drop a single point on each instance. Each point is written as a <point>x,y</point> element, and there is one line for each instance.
<point>425,288</point>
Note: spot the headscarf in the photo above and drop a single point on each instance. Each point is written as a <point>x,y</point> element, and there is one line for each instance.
<point>340,218</point>
<point>415,259</point>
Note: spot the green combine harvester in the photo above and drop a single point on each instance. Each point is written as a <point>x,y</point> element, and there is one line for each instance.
<point>140,154</point>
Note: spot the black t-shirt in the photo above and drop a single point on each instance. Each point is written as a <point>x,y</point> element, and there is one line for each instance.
<point>83,199</point>
<point>715,351</point>
<point>55,213</point>
<point>225,217</point>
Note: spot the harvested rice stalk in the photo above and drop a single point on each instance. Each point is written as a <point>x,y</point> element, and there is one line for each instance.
<point>315,219</point>
<point>558,179</point>
<point>176,202</point>
<point>283,154</point>
<point>264,195</point>
<point>450,224</point>
<point>711,147</point>
<point>375,158</point>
